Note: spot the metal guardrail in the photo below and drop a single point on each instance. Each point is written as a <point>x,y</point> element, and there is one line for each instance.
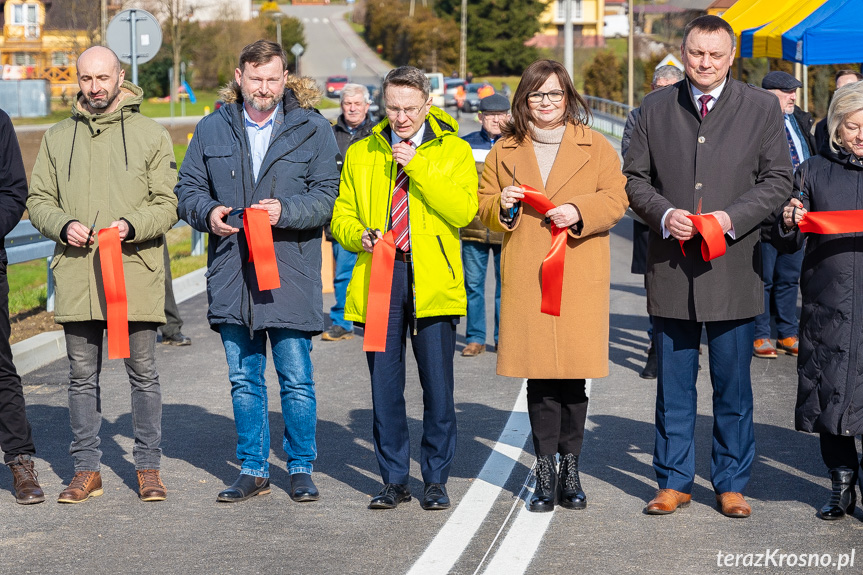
<point>608,116</point>
<point>24,243</point>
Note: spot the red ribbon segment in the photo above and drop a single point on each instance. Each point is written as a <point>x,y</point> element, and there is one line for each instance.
<point>843,222</point>
<point>712,239</point>
<point>259,237</point>
<point>552,265</point>
<point>380,290</point>
<point>114,282</point>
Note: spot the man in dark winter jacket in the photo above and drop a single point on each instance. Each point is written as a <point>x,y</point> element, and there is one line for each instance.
<point>15,438</point>
<point>267,149</point>
<point>781,272</point>
<point>476,239</point>
<point>715,146</point>
<point>353,124</point>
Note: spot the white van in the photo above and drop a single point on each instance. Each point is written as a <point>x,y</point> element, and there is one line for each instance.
<point>437,88</point>
<point>616,26</point>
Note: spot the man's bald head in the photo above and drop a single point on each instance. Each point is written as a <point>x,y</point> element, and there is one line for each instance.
<point>99,77</point>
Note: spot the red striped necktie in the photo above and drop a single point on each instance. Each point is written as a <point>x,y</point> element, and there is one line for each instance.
<point>400,216</point>
<point>704,99</point>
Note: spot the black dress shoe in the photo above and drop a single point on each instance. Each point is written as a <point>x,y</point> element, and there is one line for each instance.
<point>176,339</point>
<point>244,487</point>
<point>390,496</point>
<point>303,489</point>
<point>843,498</point>
<point>650,368</point>
<point>435,497</point>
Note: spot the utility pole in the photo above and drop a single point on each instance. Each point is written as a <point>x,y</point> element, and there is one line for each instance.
<point>462,52</point>
<point>277,16</point>
<point>630,69</point>
<point>104,28</point>
<point>567,36</point>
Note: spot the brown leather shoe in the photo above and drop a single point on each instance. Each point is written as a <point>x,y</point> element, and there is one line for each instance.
<point>472,350</point>
<point>84,485</point>
<point>150,486</point>
<point>764,349</point>
<point>789,345</point>
<point>733,505</point>
<point>667,501</point>
<point>27,490</point>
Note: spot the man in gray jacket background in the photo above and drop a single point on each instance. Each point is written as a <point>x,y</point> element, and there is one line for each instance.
<point>716,146</point>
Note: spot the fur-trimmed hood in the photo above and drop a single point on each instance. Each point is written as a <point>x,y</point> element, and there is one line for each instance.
<point>304,89</point>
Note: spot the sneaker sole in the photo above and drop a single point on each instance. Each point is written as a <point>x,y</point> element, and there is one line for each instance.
<point>94,493</point>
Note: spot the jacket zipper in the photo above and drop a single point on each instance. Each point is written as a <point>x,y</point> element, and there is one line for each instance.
<point>440,243</point>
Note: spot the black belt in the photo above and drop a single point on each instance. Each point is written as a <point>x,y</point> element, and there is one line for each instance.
<point>403,256</point>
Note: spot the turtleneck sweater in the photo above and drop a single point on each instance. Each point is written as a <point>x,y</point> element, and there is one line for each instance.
<point>545,145</point>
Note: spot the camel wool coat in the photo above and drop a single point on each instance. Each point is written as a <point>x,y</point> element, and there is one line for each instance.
<point>586,173</point>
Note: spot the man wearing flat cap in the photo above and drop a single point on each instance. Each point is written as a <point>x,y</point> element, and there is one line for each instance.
<point>477,240</point>
<point>781,272</point>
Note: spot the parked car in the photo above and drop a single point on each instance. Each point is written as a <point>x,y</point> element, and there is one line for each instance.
<point>471,101</point>
<point>375,95</point>
<point>335,85</point>
<point>437,88</point>
<point>449,95</point>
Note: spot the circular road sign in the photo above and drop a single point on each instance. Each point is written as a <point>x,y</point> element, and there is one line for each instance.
<point>147,31</point>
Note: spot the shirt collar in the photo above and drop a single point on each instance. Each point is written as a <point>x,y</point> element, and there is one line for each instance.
<point>417,138</point>
<point>696,93</point>
<point>250,123</point>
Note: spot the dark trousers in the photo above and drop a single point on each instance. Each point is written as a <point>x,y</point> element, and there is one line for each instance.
<point>173,321</point>
<point>15,437</point>
<point>781,276</point>
<point>839,452</point>
<point>557,409</point>
<point>433,347</point>
<point>730,347</point>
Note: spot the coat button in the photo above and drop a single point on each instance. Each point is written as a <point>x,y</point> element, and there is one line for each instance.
<point>701,139</point>
<point>698,186</point>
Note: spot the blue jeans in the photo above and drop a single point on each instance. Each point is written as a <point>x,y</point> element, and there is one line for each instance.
<point>345,261</point>
<point>730,346</point>
<point>781,276</point>
<point>475,262</point>
<point>247,361</point>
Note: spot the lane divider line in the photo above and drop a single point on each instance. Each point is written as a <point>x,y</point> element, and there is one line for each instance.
<point>453,538</point>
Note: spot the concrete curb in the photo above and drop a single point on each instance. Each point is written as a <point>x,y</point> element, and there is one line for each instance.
<point>40,350</point>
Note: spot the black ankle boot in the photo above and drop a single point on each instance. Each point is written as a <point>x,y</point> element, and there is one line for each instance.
<point>545,491</point>
<point>843,498</point>
<point>571,494</point>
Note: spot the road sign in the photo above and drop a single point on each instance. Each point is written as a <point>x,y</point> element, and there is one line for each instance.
<point>135,36</point>
<point>670,60</point>
<point>297,50</point>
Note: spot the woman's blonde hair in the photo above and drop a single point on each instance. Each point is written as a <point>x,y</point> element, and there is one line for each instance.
<point>846,101</point>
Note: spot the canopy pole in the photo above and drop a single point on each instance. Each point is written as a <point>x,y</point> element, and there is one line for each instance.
<point>805,88</point>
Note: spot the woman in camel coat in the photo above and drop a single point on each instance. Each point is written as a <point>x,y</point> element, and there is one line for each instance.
<point>548,146</point>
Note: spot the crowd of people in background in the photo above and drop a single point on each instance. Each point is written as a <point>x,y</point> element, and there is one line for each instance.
<point>717,175</point>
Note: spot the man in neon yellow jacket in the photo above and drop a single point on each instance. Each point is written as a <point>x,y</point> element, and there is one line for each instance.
<point>413,175</point>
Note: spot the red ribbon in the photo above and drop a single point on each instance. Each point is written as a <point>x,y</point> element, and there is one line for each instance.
<point>712,238</point>
<point>380,290</point>
<point>552,265</point>
<point>844,222</point>
<point>114,282</point>
<point>259,237</point>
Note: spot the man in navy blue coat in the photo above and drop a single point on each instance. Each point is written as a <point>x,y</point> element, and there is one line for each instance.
<point>267,148</point>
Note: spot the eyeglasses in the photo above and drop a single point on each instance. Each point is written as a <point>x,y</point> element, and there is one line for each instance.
<point>554,96</point>
<point>411,112</point>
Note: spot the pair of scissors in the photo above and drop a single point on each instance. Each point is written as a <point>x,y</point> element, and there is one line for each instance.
<point>373,235</point>
<point>92,229</point>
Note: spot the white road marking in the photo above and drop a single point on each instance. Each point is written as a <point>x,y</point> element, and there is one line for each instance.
<point>451,541</point>
<point>326,20</point>
<point>315,20</point>
<point>515,553</point>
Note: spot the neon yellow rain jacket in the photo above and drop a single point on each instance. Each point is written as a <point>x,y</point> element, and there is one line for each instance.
<point>442,198</point>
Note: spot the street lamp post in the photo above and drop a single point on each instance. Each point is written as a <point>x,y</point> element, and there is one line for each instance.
<point>277,16</point>
<point>462,53</point>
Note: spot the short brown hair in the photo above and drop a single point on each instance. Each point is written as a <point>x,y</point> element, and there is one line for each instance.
<point>576,113</point>
<point>710,24</point>
<point>410,77</point>
<point>854,73</point>
<point>261,52</point>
